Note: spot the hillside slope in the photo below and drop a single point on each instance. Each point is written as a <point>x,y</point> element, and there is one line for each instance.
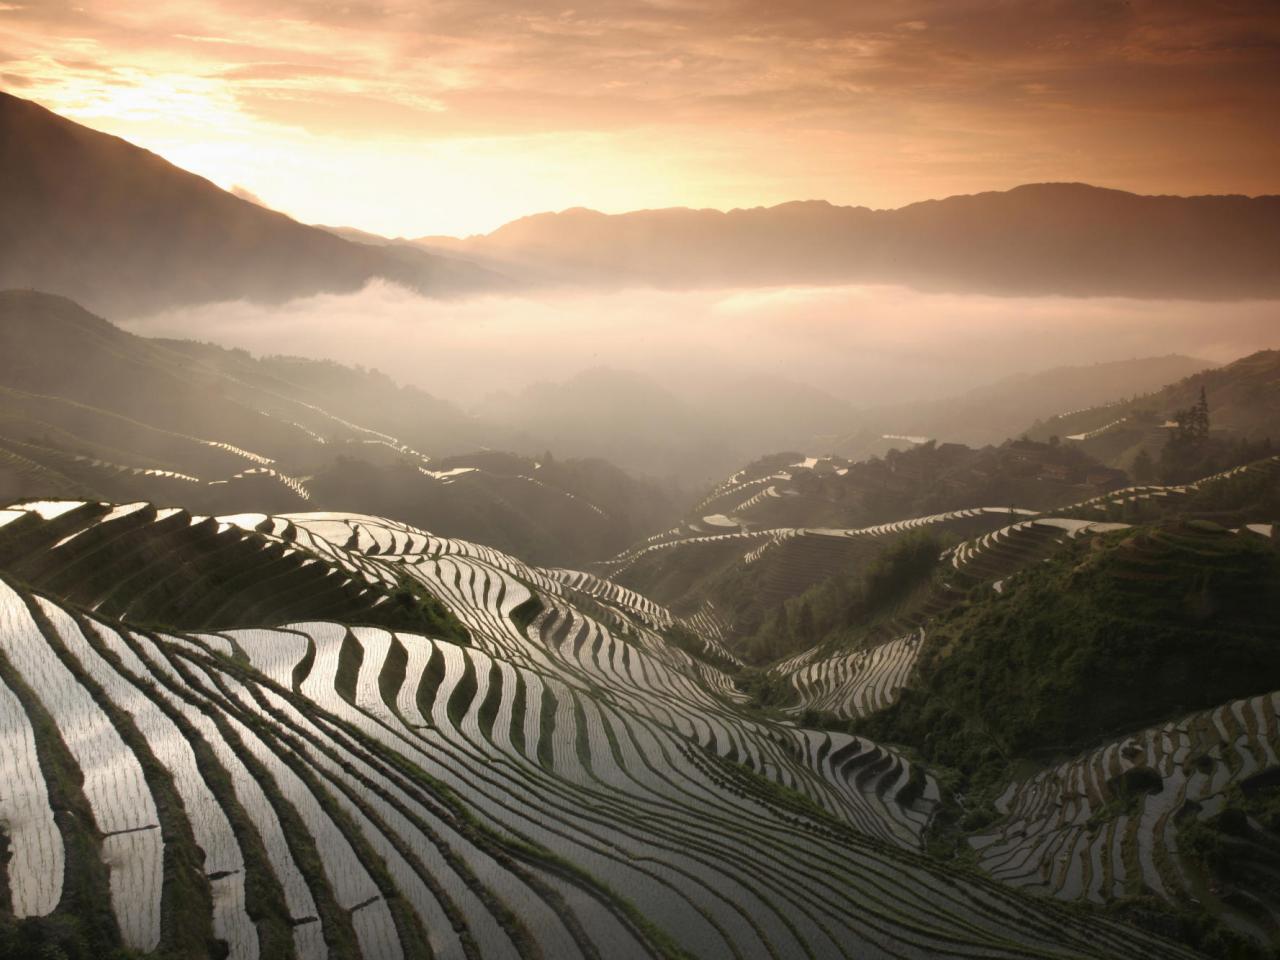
<point>1244,406</point>
<point>1136,624</point>
<point>997,411</point>
<point>89,410</point>
<point>562,788</point>
<point>1047,238</point>
<point>121,230</point>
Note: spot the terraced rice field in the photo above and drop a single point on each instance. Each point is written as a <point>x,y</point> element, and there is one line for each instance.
<point>1057,836</point>
<point>755,543</point>
<point>1119,498</point>
<point>561,787</point>
<point>610,592</point>
<point>1098,431</point>
<point>858,683</point>
<point>146,565</point>
<point>851,684</point>
<point>1000,553</point>
<point>848,684</point>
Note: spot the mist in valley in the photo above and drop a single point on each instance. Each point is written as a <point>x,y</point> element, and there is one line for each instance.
<point>693,382</point>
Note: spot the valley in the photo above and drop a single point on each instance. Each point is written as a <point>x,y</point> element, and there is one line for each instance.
<point>306,727</point>
<point>684,481</point>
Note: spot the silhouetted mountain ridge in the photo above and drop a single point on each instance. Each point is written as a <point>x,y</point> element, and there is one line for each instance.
<point>123,231</point>
<point>1044,238</point>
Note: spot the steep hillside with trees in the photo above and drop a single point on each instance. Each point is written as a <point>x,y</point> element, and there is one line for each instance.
<point>1216,418</point>
<point>1120,631</point>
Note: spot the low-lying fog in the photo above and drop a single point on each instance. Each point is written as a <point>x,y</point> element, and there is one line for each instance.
<point>865,345</point>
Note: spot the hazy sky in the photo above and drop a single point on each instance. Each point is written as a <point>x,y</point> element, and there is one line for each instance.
<point>455,116</point>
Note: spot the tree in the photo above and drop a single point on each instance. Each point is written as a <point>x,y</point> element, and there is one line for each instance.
<point>804,630</point>
<point>782,624</point>
<point>1188,442</point>
<point>1143,468</point>
<point>1200,418</point>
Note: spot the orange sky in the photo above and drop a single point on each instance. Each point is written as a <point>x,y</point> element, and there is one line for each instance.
<point>456,116</point>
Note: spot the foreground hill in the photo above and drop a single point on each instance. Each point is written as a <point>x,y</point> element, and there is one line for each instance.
<point>564,786</point>
<point>1048,238</point>
<point>95,218</point>
<point>994,643</point>
<point>89,410</point>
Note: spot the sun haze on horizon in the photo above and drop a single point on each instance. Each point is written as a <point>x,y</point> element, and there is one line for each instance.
<point>453,119</point>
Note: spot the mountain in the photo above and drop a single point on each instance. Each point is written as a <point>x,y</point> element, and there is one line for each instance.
<point>558,781</point>
<point>124,232</point>
<point>1244,408</point>
<point>996,411</point>
<point>89,410</point>
<point>1047,238</point>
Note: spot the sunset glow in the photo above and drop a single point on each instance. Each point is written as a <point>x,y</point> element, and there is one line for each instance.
<point>414,119</point>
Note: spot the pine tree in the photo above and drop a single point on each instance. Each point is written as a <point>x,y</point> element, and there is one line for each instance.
<point>1200,417</point>
<point>1187,441</point>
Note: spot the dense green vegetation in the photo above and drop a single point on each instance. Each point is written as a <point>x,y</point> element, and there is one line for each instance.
<point>1192,451</point>
<point>1239,848</point>
<point>60,937</point>
<point>1245,498</point>
<point>526,612</point>
<point>424,613</point>
<point>1109,635</point>
<point>835,611</point>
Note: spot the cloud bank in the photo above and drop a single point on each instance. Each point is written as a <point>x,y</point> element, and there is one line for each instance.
<point>867,344</point>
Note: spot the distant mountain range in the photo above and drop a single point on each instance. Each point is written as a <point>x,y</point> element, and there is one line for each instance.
<point>124,232</point>
<point>1048,238</point>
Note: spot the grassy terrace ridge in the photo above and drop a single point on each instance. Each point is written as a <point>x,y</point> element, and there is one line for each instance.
<point>1109,634</point>
<point>165,568</point>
